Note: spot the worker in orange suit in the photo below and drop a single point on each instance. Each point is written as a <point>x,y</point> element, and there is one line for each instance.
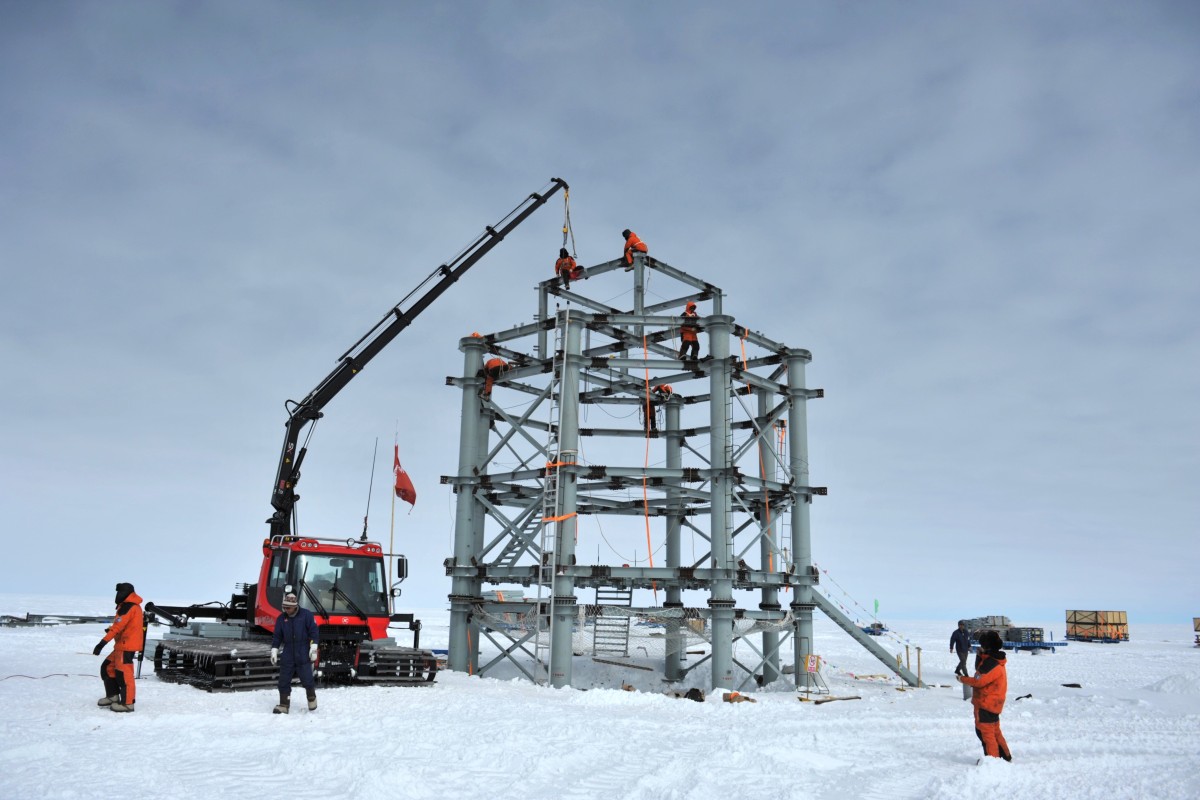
<point>990,685</point>
<point>128,636</point>
<point>566,268</point>
<point>689,333</point>
<point>633,244</point>
<point>659,394</point>
<point>493,368</point>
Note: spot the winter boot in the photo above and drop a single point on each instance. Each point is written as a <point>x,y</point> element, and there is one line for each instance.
<point>105,702</point>
<point>284,702</point>
<point>312,700</point>
<point>117,705</point>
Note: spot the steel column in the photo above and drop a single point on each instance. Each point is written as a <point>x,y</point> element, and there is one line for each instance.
<point>720,599</point>
<point>464,643</point>
<point>563,623</point>
<point>543,313</point>
<point>802,605</point>
<point>676,639</point>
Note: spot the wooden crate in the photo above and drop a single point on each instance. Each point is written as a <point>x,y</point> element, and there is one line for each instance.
<point>1097,625</point>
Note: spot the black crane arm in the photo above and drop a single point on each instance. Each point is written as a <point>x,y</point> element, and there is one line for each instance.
<point>310,409</point>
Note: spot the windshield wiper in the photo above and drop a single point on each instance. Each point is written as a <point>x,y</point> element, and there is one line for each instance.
<point>353,605</point>
<point>311,595</point>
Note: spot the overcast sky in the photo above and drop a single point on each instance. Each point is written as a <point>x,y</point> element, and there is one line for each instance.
<point>982,219</point>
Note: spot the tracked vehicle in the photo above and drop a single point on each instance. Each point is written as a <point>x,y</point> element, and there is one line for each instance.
<point>220,647</point>
<point>342,582</point>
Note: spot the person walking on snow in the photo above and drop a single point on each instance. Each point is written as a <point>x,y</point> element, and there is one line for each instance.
<point>296,633</point>
<point>960,643</point>
<point>689,333</point>
<point>990,686</point>
<point>566,268</point>
<point>127,633</point>
<point>633,244</point>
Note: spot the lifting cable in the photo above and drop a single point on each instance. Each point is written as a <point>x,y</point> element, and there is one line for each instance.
<point>567,230</point>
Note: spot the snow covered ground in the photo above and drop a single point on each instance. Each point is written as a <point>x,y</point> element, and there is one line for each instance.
<point>1131,731</point>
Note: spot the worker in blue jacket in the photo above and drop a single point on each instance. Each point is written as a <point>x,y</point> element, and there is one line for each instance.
<point>960,643</point>
<point>296,633</point>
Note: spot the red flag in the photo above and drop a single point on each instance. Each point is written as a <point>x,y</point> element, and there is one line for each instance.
<point>404,485</point>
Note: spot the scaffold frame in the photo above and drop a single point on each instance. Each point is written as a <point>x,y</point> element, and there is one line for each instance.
<point>732,473</point>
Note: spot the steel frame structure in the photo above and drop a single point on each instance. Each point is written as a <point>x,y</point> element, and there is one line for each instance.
<point>522,487</point>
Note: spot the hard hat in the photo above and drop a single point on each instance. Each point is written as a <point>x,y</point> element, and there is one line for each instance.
<point>289,600</point>
<point>476,335</point>
<point>691,304</point>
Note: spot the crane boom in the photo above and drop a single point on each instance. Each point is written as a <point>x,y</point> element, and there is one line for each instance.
<point>310,409</point>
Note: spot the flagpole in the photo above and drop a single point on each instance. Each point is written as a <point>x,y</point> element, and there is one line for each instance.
<point>392,532</point>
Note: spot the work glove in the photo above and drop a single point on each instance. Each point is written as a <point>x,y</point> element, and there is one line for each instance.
<point>312,652</point>
<point>274,656</point>
<point>96,650</point>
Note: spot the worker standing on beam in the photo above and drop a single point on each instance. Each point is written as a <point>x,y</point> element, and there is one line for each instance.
<point>689,333</point>
<point>633,244</point>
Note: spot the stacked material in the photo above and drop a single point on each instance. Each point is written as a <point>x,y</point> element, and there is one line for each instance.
<point>1097,626</point>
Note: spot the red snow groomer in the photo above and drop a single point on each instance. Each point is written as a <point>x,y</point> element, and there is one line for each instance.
<point>343,583</point>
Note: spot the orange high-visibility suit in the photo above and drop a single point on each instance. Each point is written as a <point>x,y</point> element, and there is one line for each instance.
<point>990,686</point>
<point>633,243</point>
<point>493,368</point>
<point>566,268</point>
<point>127,634</point>
<point>659,394</point>
<point>689,333</point>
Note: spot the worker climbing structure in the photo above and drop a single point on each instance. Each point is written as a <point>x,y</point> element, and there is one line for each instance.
<point>569,490</point>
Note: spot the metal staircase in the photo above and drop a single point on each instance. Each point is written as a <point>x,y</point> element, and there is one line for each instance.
<point>610,635</point>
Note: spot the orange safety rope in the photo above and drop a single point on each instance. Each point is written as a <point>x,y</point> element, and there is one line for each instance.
<point>555,465</point>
